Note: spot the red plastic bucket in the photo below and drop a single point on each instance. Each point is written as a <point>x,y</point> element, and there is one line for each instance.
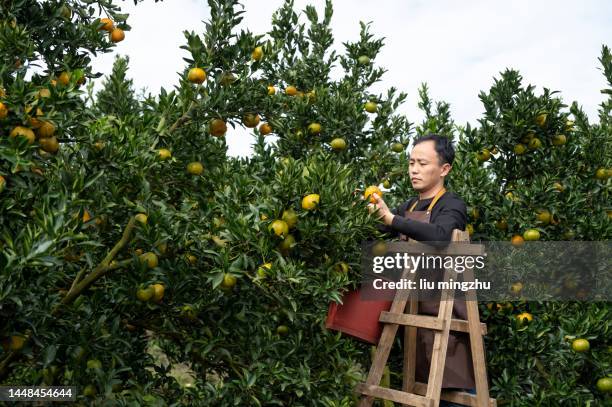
<point>357,317</point>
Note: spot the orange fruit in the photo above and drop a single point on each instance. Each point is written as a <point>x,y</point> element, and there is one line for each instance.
<point>287,244</point>
<point>601,173</point>
<point>517,240</point>
<point>2,183</point>
<point>520,149</point>
<point>86,216</point>
<point>371,190</point>
<point>541,119</point>
<point>3,111</point>
<point>271,90</point>
<point>559,187</point>
<point>261,271</point>
<point>341,267</point>
<point>15,342</point>
<point>64,78</point>
<point>517,287</point>
<point>196,75</point>
<point>604,385</point>
<point>229,281</point>
<point>257,53</point>
<point>46,129</point>
<point>531,234</point>
<point>265,129</point>
<point>195,168</point>
<point>282,330</point>
<point>397,147</point>
<point>543,216</point>
<point>188,313</point>
<point>387,184</point>
<point>290,217</point>
<point>150,258</point>
<point>117,35</point>
<point>158,291</point>
<point>483,155</point>
<point>49,144</point>
<point>250,120</point>
<point>580,345</point>
<point>370,107</point>
<point>534,143</point>
<point>363,60</point>
<point>379,249</point>
<point>164,154</point>
<point>191,259</point>
<point>559,139</point>
<point>21,131</point>
<point>279,227</point>
<point>470,229</point>
<point>227,78</point>
<point>310,202</point>
<point>291,90</point>
<point>107,24</point>
<point>141,218</point>
<point>145,294</point>
<point>569,125</point>
<point>338,144</point>
<point>217,127</point>
<point>501,224</point>
<point>314,128</point>
<point>525,316</point>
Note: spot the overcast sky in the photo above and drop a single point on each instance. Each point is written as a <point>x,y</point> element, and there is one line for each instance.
<point>457,47</point>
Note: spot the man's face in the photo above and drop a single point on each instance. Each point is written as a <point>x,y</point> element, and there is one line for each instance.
<point>424,168</point>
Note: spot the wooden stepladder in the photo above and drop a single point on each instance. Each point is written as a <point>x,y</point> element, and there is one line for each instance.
<point>404,311</point>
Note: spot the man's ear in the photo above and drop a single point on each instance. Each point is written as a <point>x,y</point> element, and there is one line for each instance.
<point>446,167</point>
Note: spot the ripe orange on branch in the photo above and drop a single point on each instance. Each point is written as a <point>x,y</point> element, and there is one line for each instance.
<point>196,75</point>
<point>371,190</point>
<point>310,202</point>
<point>195,168</point>
<point>338,144</point>
<point>314,128</point>
<point>265,129</point>
<point>24,132</point>
<point>257,53</point>
<point>3,111</point>
<point>250,120</point>
<point>217,127</point>
<point>117,35</point>
<point>49,144</point>
<point>107,24</point>
<point>291,90</point>
<point>164,154</point>
<point>279,227</point>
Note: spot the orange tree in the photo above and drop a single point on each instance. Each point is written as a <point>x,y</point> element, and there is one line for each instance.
<point>140,229</point>
<point>540,174</point>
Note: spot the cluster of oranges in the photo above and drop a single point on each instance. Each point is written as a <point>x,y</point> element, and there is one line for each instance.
<point>115,34</point>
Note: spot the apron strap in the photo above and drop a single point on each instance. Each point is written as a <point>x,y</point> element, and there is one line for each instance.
<point>431,205</point>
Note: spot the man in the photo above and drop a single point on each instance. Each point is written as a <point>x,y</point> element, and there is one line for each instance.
<point>431,160</point>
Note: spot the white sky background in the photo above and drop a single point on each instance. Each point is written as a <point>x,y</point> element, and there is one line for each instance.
<point>457,47</point>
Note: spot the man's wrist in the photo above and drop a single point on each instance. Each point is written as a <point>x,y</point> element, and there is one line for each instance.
<point>389,218</point>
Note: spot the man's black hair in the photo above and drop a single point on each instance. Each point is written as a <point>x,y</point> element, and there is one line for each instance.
<point>444,147</point>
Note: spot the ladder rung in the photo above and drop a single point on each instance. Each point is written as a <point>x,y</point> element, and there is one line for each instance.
<point>393,395</point>
<point>425,321</point>
<point>460,397</point>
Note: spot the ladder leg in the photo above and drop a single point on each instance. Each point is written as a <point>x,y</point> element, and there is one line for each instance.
<point>410,335</point>
<point>476,344</point>
<point>386,341</point>
<point>440,345</point>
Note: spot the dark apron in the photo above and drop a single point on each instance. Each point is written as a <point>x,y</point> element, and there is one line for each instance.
<point>458,371</point>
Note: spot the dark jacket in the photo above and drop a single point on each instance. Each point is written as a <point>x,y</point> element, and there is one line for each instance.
<point>450,212</point>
